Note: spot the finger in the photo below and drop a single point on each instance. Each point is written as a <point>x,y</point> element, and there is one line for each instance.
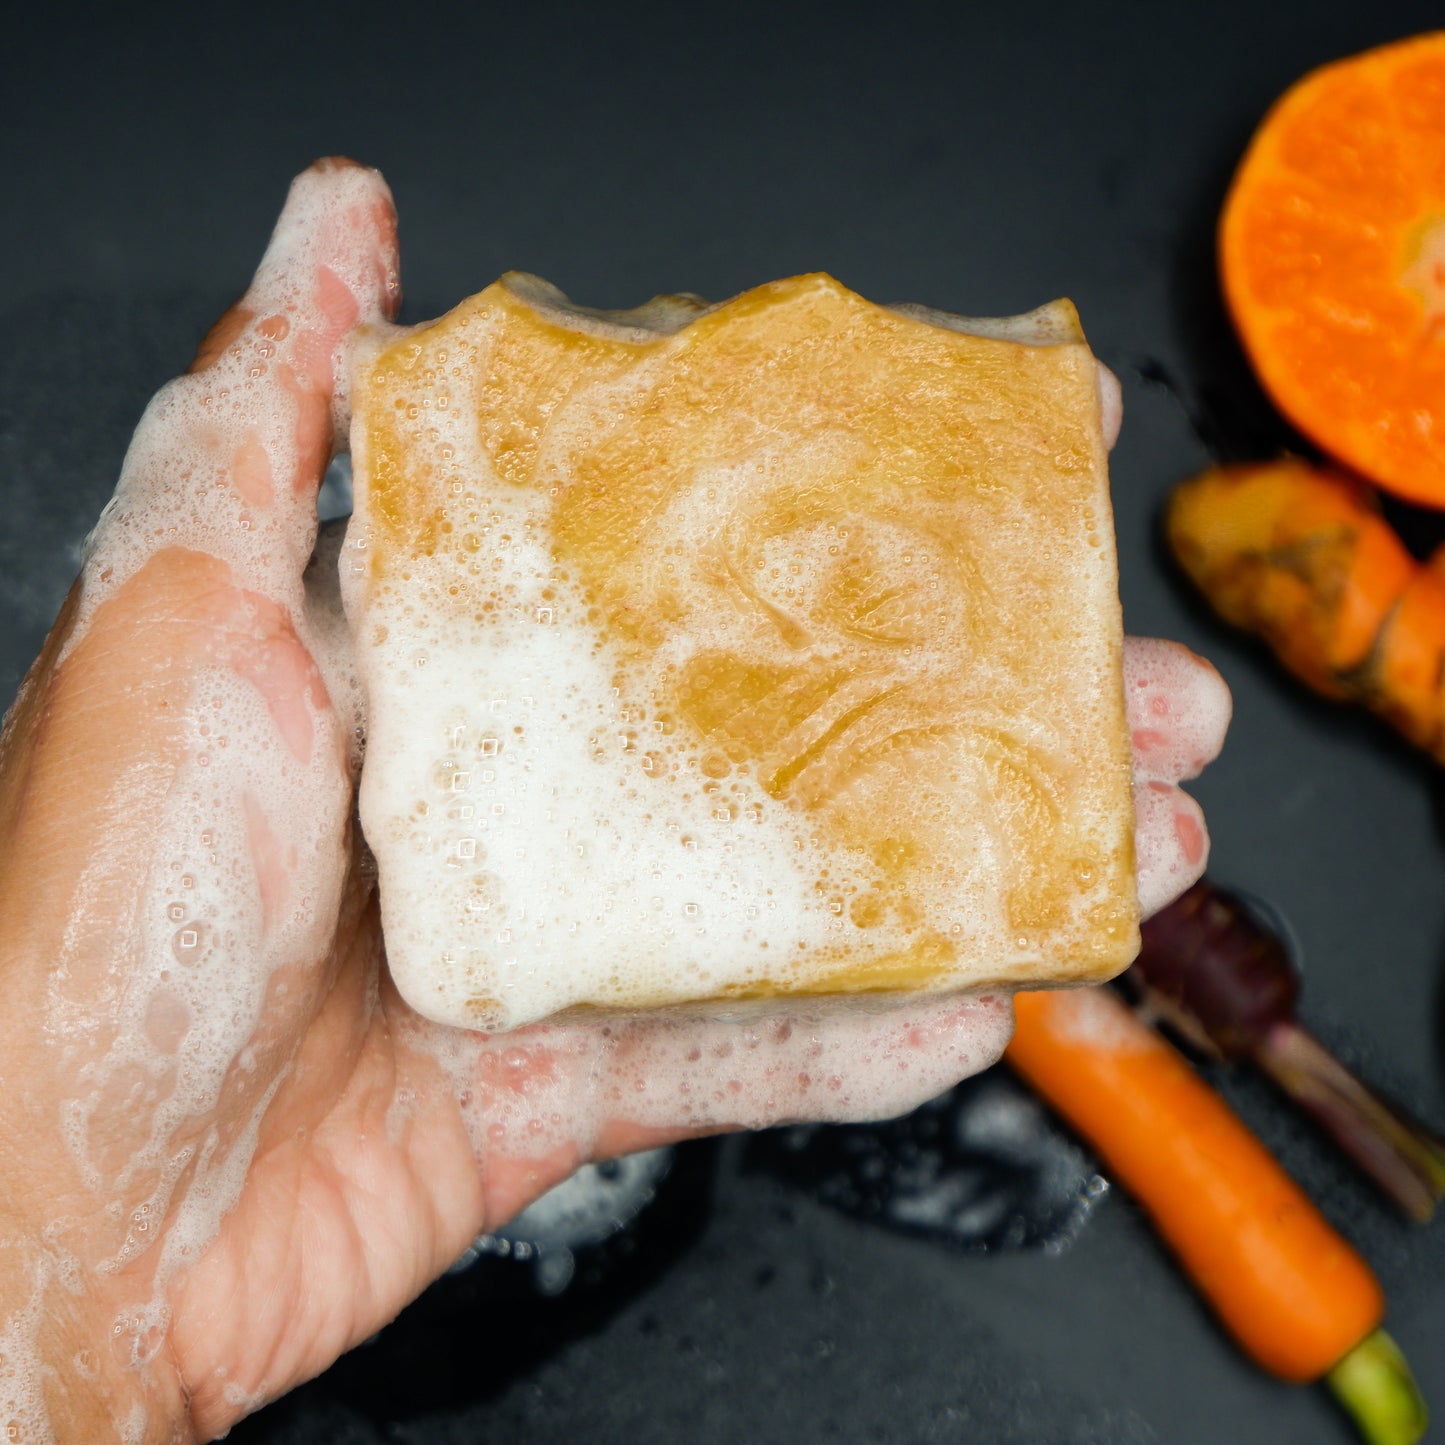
<point>1172,844</point>
<point>538,1102</point>
<point>1178,708</point>
<point>1111,405</point>
<point>330,638</point>
<point>227,459</point>
<point>673,1080</point>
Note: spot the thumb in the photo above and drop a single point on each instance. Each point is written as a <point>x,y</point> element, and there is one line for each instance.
<point>227,459</point>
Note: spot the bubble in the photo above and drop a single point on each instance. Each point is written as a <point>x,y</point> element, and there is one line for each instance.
<point>192,943</point>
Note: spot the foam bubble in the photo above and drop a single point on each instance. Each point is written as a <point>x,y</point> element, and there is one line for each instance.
<point>23,1412</point>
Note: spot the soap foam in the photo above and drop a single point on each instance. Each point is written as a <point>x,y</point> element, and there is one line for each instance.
<point>177,485</point>
<point>547,820</point>
<point>23,1416</point>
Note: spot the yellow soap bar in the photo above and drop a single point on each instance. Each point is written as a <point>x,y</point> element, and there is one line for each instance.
<point>763,650</point>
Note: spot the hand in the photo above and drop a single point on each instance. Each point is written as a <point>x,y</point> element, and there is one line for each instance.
<point>229,1150</point>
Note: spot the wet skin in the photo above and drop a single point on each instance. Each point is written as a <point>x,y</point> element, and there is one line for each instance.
<point>357,1172</point>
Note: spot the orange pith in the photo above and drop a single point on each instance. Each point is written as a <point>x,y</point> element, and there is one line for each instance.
<point>1332,256</point>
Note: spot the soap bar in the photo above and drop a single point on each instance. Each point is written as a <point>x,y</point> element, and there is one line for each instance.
<point>762,651</point>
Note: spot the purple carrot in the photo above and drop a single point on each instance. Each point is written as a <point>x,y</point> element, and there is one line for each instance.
<point>1215,972</point>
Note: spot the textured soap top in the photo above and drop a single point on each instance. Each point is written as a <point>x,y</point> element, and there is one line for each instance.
<point>738,652</point>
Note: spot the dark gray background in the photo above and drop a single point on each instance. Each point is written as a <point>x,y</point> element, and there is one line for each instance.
<point>982,159</point>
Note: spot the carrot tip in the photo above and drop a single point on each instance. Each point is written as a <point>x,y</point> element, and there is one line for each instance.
<point>1374,1384</point>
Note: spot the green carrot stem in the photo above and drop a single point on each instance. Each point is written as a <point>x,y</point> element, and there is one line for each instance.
<point>1374,1384</point>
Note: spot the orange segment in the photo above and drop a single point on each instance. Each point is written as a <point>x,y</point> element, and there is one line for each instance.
<point>1332,257</point>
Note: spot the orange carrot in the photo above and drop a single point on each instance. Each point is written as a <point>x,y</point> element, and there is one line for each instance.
<point>1303,557</point>
<point>1293,1293</point>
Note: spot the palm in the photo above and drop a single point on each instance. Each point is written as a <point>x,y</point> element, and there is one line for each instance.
<point>265,1153</point>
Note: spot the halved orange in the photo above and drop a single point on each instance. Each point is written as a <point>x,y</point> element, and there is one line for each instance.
<point>1332,256</point>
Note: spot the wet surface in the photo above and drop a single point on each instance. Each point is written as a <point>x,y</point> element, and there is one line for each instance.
<point>983,161</point>
<point>576,1217</point>
<point>981,1168</point>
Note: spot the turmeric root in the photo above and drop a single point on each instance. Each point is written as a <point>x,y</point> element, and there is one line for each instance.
<point>1303,557</point>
